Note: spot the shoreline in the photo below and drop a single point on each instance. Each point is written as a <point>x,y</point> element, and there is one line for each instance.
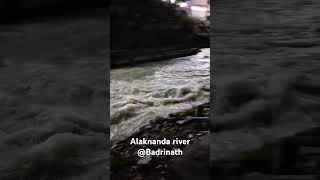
<point>131,57</point>
<point>125,163</point>
<point>144,56</point>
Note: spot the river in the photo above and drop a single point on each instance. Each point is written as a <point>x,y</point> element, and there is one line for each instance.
<point>151,91</point>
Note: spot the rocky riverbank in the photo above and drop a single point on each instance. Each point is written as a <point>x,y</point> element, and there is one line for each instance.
<point>193,126</point>
<point>126,57</point>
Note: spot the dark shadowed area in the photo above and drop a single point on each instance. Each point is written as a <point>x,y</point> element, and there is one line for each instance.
<point>53,92</point>
<point>153,30</point>
<point>12,11</point>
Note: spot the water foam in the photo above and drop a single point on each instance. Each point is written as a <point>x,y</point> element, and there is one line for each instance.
<point>149,92</point>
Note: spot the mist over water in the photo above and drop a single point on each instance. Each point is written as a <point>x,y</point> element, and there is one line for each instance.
<point>147,92</point>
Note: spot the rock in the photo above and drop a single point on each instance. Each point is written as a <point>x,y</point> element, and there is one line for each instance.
<point>256,176</point>
<point>145,160</point>
<point>188,119</point>
<point>190,136</point>
<point>183,121</point>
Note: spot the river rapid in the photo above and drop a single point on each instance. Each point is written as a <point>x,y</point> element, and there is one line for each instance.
<point>147,92</point>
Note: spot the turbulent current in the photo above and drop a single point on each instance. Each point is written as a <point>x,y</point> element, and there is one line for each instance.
<point>151,91</point>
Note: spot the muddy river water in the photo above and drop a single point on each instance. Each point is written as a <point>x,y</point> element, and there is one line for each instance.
<point>147,92</point>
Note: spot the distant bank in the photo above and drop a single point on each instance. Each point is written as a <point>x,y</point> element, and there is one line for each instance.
<point>164,29</point>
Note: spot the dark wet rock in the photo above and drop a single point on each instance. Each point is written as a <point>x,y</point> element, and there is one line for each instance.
<point>188,119</point>
<point>190,136</point>
<point>145,160</point>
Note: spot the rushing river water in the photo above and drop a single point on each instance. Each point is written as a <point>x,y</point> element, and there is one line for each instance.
<point>150,91</point>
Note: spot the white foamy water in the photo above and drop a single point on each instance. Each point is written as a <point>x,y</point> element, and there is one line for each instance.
<point>150,91</point>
